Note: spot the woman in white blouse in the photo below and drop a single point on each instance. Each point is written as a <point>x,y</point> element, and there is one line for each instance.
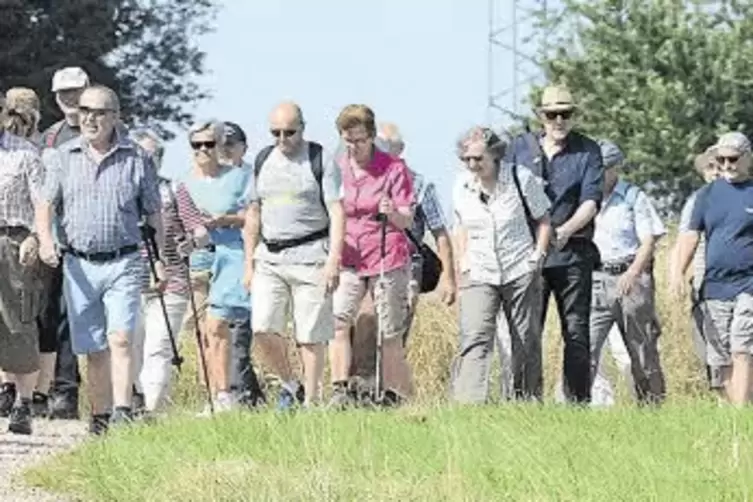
<point>502,233</point>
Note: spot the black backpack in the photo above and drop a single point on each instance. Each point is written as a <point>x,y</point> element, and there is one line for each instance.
<point>316,153</point>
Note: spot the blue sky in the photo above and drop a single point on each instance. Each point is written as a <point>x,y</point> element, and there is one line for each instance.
<point>422,65</point>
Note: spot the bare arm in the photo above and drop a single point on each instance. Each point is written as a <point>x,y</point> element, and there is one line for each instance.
<point>543,235</point>
<point>336,231</point>
<point>643,256</point>
<point>585,213</point>
<point>687,243</point>
<point>43,213</point>
<point>444,247</point>
<point>154,220</point>
<point>402,218</point>
<point>251,233</point>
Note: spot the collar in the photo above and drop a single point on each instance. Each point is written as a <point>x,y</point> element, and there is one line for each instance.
<point>621,188</point>
<point>121,142</point>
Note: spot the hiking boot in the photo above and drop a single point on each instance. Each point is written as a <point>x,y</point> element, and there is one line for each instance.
<point>7,398</point>
<point>288,398</point>
<point>20,418</point>
<point>39,405</point>
<point>340,398</point>
<point>64,407</point>
<point>98,424</point>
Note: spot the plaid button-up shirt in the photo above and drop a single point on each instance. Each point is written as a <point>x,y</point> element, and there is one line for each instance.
<point>21,177</point>
<point>99,204</point>
<point>429,214</point>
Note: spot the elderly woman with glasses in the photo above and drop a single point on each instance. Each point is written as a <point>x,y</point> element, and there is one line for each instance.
<point>217,191</point>
<point>502,232</point>
<point>375,185</point>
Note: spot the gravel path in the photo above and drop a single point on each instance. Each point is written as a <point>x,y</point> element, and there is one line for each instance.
<point>19,452</point>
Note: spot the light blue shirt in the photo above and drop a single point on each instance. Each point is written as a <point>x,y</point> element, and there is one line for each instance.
<point>626,218</point>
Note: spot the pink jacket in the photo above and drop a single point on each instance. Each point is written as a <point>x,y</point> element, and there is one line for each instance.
<point>386,175</point>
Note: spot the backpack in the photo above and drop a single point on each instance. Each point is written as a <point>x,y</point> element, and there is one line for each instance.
<point>316,153</point>
<point>52,135</point>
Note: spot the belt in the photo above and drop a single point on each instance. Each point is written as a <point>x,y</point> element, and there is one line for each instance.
<point>102,256</point>
<point>277,245</point>
<point>614,268</point>
<point>13,231</point>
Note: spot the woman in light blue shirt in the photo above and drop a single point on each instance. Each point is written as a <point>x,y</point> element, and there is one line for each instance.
<point>217,191</point>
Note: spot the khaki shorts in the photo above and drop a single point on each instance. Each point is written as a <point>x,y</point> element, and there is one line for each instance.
<point>277,287</point>
<point>20,304</point>
<point>733,320</point>
<point>353,288</point>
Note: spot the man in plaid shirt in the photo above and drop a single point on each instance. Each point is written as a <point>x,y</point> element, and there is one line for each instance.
<point>429,215</point>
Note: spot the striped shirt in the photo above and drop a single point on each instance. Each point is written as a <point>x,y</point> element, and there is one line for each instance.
<point>429,214</point>
<point>175,267</point>
<point>100,204</point>
<point>21,177</point>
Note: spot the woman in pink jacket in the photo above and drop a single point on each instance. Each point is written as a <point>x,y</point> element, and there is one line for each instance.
<point>374,182</point>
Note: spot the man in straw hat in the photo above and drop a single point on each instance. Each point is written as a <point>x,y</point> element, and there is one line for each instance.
<point>570,165</point>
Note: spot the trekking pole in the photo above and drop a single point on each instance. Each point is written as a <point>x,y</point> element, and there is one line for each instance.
<point>197,329</point>
<point>379,304</point>
<point>150,243</point>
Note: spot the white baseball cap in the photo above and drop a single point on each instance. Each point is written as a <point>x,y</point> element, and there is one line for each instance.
<point>72,77</point>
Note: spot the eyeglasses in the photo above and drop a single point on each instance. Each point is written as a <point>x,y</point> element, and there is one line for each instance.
<point>565,114</point>
<point>280,132</point>
<point>721,159</point>
<point>469,158</point>
<point>97,113</point>
<point>198,145</point>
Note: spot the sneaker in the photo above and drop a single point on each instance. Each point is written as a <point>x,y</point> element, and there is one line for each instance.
<point>39,405</point>
<point>98,424</point>
<point>64,407</point>
<point>340,398</point>
<point>122,415</point>
<point>7,398</point>
<point>20,419</point>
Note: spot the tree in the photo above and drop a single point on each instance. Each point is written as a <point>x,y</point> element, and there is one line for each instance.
<point>146,50</point>
<point>662,78</point>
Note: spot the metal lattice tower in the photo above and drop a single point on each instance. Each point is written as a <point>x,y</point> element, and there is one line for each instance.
<point>514,44</point>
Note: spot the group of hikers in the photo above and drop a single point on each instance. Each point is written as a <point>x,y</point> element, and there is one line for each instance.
<point>106,257</point>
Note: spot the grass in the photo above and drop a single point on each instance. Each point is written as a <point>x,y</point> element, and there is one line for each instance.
<point>691,449</point>
<point>494,453</point>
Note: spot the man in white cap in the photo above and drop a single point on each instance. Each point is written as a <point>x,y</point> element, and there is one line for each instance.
<point>570,164</point>
<point>723,214</point>
<point>68,84</point>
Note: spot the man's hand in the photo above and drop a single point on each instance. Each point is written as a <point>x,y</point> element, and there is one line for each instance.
<point>159,283</point>
<point>536,259</point>
<point>626,282</point>
<point>248,277</point>
<point>47,252</point>
<point>28,252</point>
<point>561,236</point>
<point>447,289</point>
<point>677,286</point>
<point>331,275</point>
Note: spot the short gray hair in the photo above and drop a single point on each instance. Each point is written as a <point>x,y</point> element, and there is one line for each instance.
<point>216,126</point>
<point>495,143</point>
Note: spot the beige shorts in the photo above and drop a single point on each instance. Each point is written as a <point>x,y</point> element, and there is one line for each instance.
<point>276,288</point>
<point>353,288</point>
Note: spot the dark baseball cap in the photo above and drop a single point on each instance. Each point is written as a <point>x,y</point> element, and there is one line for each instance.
<point>234,134</point>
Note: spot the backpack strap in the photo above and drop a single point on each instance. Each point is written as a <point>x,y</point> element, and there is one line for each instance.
<point>53,134</point>
<point>526,209</point>
<point>316,152</point>
<point>261,158</point>
<point>539,160</point>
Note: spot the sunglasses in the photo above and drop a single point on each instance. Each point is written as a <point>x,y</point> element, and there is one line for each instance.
<point>280,132</point>
<point>95,112</point>
<point>198,145</point>
<point>731,159</point>
<point>565,114</point>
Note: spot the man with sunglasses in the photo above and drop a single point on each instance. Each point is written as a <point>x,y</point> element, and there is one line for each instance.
<point>99,185</point>
<point>723,214</point>
<point>294,234</point>
<point>570,165</point>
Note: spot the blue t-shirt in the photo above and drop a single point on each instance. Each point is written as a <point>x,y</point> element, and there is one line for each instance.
<point>723,212</point>
<point>223,194</point>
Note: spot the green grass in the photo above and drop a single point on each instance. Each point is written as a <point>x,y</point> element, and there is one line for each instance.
<point>520,453</point>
